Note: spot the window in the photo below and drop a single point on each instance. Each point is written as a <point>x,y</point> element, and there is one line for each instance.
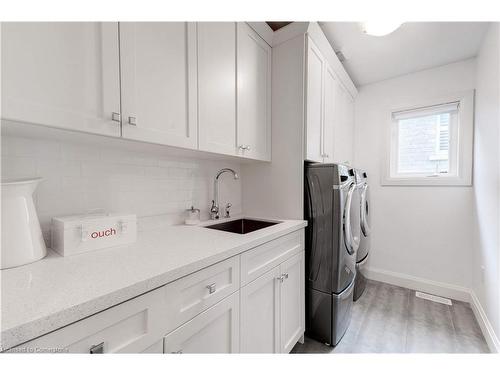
<point>431,144</point>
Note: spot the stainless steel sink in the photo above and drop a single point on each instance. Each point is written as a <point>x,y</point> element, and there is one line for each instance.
<point>242,226</point>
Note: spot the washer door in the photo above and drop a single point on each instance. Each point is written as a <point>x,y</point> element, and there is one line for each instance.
<point>365,210</point>
<point>351,220</point>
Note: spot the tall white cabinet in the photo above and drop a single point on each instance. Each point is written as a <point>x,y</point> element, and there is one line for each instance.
<point>314,103</point>
<point>344,127</point>
<point>329,112</point>
<point>331,108</point>
<point>158,82</point>
<point>62,74</point>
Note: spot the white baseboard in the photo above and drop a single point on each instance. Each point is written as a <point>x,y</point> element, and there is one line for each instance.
<point>424,285</point>
<point>484,323</point>
<point>444,290</point>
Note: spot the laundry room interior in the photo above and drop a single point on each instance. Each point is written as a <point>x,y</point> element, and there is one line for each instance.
<point>250,187</point>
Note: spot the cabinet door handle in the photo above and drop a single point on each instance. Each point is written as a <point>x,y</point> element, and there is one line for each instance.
<point>97,349</point>
<point>116,117</point>
<point>285,275</point>
<point>281,278</point>
<point>244,147</point>
<point>132,121</point>
<point>177,352</point>
<point>211,288</point>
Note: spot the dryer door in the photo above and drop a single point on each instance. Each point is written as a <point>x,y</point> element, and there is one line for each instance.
<point>365,210</point>
<point>352,225</point>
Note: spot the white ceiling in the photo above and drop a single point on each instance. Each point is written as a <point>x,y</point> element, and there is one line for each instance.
<point>414,46</point>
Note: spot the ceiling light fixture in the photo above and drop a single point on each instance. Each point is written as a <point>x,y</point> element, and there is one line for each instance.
<point>380,28</point>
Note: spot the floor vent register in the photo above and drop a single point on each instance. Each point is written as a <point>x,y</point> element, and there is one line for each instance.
<point>433,298</point>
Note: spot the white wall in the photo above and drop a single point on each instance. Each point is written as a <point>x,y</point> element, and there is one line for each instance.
<point>80,177</point>
<point>486,179</point>
<point>418,232</point>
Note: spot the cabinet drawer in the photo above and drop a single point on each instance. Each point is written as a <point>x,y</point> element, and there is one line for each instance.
<point>213,331</point>
<point>261,259</point>
<point>129,327</point>
<point>189,296</point>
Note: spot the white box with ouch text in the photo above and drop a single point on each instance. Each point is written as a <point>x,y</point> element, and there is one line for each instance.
<point>81,233</point>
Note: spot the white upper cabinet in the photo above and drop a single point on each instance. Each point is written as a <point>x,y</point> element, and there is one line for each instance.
<point>254,94</point>
<point>158,82</point>
<point>344,126</point>
<point>62,74</point>
<point>329,112</point>
<point>217,87</point>
<point>314,103</point>
<point>330,107</point>
<point>202,86</point>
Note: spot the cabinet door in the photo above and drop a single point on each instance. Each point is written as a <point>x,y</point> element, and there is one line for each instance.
<point>254,94</point>
<point>217,86</point>
<point>158,72</point>
<point>344,126</point>
<point>314,107</point>
<point>329,106</point>
<point>292,302</point>
<point>215,330</point>
<point>260,314</point>
<point>62,74</point>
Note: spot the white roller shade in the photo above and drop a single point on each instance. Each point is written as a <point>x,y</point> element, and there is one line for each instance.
<point>426,111</point>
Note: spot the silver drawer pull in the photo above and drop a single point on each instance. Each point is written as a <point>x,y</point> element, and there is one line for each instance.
<point>132,121</point>
<point>116,117</point>
<point>97,349</point>
<point>211,288</point>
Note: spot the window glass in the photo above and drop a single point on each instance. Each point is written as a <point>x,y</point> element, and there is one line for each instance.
<point>424,144</point>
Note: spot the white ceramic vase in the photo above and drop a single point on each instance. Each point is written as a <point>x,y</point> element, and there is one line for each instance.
<point>22,240</point>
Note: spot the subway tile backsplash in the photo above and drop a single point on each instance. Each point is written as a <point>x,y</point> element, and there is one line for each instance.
<point>80,178</point>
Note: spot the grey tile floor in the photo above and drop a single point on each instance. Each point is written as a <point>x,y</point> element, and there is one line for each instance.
<point>390,319</point>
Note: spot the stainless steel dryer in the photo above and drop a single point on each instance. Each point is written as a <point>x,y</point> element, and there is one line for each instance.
<point>365,222</point>
<point>332,239</point>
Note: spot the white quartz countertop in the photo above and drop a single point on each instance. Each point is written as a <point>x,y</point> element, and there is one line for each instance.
<point>49,294</point>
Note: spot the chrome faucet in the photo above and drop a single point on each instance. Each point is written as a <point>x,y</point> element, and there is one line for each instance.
<point>214,210</point>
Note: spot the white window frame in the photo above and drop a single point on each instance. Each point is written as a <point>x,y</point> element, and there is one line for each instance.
<point>462,171</point>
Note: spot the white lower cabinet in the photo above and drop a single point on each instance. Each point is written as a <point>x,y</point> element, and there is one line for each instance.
<point>292,302</point>
<point>253,302</point>
<point>214,331</point>
<point>272,309</point>
<point>260,314</point>
<point>130,327</point>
